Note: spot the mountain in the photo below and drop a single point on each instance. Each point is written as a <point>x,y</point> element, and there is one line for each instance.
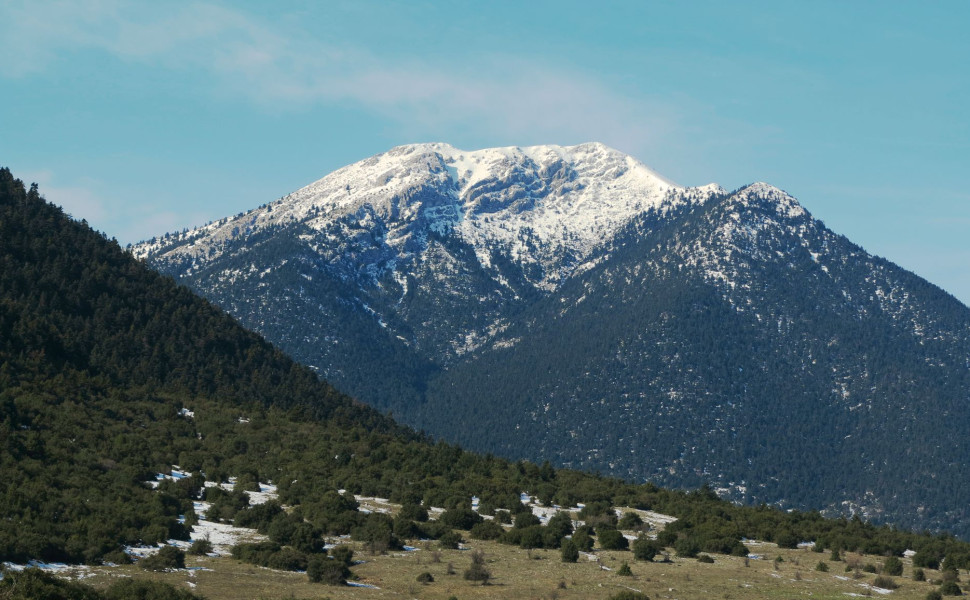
<point>569,304</point>
<point>111,375</point>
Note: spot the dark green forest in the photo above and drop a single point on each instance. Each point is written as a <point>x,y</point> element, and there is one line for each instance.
<point>808,397</point>
<point>99,354</point>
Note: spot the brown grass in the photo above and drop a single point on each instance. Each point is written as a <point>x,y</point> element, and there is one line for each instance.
<point>537,574</point>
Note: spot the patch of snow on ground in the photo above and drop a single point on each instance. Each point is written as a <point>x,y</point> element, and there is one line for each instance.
<point>544,512</point>
<point>44,566</point>
<point>140,552</point>
<point>222,535</point>
<point>175,475</point>
<point>266,493</point>
<point>372,504</point>
<point>655,518</point>
<point>226,485</point>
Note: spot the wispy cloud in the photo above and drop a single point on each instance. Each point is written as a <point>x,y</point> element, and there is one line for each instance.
<point>109,208</point>
<point>79,199</point>
<point>510,97</point>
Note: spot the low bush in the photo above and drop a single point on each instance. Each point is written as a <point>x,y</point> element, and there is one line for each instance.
<point>343,554</point>
<point>630,520</point>
<point>450,540</point>
<point>321,569</point>
<point>569,552</point>
<point>200,547</point>
<point>644,548</point>
<point>611,539</point>
<point>169,557</point>
<point>950,588</point>
<point>885,582</point>
<point>892,566</point>
<point>487,530</point>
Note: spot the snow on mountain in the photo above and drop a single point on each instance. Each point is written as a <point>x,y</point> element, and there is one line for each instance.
<point>542,205</point>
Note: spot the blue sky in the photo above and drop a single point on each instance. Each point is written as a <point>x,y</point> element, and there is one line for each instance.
<point>146,117</point>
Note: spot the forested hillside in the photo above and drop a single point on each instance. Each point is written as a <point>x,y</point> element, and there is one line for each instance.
<point>97,356</point>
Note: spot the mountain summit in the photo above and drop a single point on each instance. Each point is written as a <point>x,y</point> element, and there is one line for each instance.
<point>569,304</point>
<point>546,206</point>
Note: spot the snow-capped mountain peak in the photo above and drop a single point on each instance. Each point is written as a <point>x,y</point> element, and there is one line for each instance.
<point>784,203</point>
<point>546,207</point>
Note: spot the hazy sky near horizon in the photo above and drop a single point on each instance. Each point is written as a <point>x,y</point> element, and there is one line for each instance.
<point>145,117</point>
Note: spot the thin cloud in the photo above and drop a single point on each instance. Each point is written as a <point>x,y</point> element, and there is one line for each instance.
<point>78,199</point>
<point>507,97</point>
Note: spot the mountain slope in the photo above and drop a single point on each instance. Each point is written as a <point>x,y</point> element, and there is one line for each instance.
<point>412,258</point>
<point>98,357</point>
<point>569,304</point>
<point>758,373</point>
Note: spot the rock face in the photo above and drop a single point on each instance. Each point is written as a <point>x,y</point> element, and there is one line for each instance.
<point>569,304</point>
